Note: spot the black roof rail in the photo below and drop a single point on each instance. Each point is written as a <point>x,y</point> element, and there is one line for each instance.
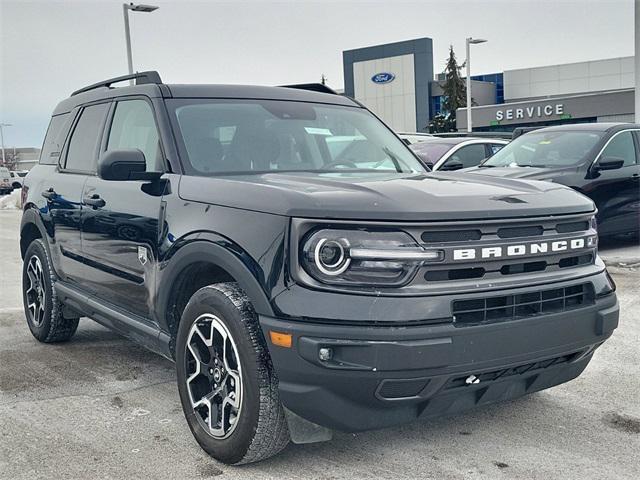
<point>314,87</point>
<point>140,78</point>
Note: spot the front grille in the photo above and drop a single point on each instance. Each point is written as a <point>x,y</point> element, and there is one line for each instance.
<point>517,232</point>
<point>571,227</point>
<point>479,240</point>
<point>494,375</point>
<point>511,307</point>
<point>451,236</point>
<point>401,388</point>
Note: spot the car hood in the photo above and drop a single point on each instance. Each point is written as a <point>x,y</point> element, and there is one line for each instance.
<point>411,197</point>
<point>528,173</point>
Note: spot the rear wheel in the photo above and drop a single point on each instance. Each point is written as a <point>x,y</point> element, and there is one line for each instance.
<point>226,381</point>
<point>42,308</point>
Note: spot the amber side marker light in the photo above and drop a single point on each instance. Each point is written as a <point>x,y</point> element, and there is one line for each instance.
<point>281,339</point>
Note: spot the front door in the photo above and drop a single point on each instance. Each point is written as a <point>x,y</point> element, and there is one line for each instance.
<point>616,193</point>
<point>122,220</point>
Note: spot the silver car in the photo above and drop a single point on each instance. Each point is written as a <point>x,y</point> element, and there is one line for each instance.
<point>454,153</point>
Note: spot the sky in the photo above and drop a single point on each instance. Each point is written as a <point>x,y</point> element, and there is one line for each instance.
<point>50,48</point>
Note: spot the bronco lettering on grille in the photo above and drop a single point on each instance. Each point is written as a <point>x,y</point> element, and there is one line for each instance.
<point>524,249</point>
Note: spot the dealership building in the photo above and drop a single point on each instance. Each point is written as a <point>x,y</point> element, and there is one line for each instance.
<point>396,81</point>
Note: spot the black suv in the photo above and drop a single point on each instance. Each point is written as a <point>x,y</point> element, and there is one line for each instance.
<point>300,285</point>
<point>600,160</point>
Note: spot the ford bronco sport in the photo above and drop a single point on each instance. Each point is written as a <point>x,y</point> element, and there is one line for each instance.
<point>300,265</point>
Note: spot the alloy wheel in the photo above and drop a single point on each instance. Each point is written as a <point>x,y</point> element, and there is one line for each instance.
<point>36,292</point>
<point>214,376</point>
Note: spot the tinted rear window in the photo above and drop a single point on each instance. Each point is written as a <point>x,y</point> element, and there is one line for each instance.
<point>54,139</point>
<point>431,152</point>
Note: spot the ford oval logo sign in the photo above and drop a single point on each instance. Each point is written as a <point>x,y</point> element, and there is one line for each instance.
<point>383,77</point>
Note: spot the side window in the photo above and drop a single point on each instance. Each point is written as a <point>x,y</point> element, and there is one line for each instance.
<point>83,146</point>
<point>622,147</point>
<point>54,139</point>
<point>134,126</point>
<point>471,155</point>
<point>495,148</point>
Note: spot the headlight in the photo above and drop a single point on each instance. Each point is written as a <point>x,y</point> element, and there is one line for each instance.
<point>363,257</point>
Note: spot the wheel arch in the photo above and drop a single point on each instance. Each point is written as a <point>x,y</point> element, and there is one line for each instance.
<point>199,263</point>
<point>31,227</point>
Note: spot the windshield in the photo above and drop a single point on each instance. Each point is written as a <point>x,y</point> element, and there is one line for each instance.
<point>258,136</point>
<point>431,152</point>
<point>545,149</point>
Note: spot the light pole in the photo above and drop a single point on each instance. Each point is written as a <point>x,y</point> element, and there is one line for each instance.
<point>637,61</point>
<point>127,34</point>
<point>2,125</point>
<point>468,62</point>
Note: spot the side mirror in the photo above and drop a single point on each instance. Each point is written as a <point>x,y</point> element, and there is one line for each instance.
<point>452,165</point>
<point>122,165</point>
<point>608,163</point>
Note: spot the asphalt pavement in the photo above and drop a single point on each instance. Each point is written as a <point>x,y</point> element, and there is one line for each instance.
<point>103,407</point>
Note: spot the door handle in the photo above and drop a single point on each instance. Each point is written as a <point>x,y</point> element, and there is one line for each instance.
<point>94,201</point>
<point>49,194</point>
<point>635,177</point>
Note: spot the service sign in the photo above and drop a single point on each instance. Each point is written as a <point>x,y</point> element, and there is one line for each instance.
<point>383,77</point>
<point>531,112</point>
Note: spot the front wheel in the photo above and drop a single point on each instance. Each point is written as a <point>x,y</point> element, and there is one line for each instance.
<point>226,381</point>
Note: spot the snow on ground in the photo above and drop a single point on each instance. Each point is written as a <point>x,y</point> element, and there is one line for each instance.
<point>11,201</point>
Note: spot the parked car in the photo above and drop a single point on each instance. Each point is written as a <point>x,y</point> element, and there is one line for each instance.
<point>5,181</point>
<point>416,137</point>
<point>475,134</point>
<point>302,290</point>
<point>600,160</point>
<point>454,153</point>
<point>16,178</point>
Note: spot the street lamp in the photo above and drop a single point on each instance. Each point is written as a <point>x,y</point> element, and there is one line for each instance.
<point>469,42</point>
<point>127,34</point>
<point>2,139</point>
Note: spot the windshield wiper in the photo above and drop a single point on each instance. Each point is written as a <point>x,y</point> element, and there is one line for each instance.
<point>484,165</point>
<point>393,158</point>
<point>533,166</point>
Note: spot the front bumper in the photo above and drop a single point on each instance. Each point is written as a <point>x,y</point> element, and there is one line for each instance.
<point>380,376</point>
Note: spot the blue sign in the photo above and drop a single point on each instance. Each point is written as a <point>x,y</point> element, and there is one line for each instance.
<point>383,77</point>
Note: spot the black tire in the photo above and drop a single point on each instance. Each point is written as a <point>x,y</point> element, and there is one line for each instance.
<point>260,430</point>
<point>50,325</point>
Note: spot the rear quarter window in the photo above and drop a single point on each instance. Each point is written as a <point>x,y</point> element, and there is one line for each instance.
<point>54,139</point>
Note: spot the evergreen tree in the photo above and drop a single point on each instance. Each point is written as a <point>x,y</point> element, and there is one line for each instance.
<point>454,94</point>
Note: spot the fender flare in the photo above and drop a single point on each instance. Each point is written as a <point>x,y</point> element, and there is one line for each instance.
<point>31,216</point>
<point>219,252</point>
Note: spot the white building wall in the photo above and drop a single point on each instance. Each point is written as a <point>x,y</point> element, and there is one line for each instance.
<point>394,102</point>
<point>567,79</point>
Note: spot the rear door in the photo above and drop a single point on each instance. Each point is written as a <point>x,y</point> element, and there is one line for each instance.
<point>62,189</point>
<point>122,220</point>
<point>617,192</point>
